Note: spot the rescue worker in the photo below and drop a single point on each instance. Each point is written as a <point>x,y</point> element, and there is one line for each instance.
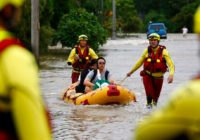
<point>184,31</point>
<point>100,76</point>
<point>179,119</point>
<point>155,60</point>
<point>80,56</point>
<point>22,112</point>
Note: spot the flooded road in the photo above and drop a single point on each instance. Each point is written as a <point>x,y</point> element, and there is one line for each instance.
<point>114,122</point>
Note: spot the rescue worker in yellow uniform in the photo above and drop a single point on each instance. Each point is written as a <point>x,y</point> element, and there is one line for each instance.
<point>80,56</point>
<point>180,118</point>
<point>22,112</point>
<point>155,60</point>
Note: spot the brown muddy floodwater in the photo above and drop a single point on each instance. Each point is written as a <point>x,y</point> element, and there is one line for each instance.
<point>113,122</point>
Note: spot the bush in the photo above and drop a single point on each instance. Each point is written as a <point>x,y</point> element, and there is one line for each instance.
<point>23,31</point>
<point>185,17</point>
<point>46,37</point>
<point>79,22</point>
<point>127,18</point>
<point>132,24</point>
<point>155,16</point>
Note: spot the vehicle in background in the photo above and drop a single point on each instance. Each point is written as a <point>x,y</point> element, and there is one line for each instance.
<point>158,28</point>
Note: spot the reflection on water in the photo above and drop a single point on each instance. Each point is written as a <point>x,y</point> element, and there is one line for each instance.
<point>114,122</point>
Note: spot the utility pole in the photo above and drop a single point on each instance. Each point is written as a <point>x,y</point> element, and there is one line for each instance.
<point>35,25</point>
<point>113,20</point>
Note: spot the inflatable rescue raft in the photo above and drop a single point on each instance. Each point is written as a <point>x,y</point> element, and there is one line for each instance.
<point>111,94</point>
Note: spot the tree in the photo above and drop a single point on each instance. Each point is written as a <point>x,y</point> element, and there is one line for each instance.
<point>127,17</point>
<point>185,17</point>
<point>23,31</point>
<point>79,22</point>
<point>46,30</point>
<point>169,11</point>
<point>60,7</point>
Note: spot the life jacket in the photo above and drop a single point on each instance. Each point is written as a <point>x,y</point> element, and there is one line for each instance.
<point>84,58</point>
<point>95,74</point>
<point>155,62</point>
<point>7,126</point>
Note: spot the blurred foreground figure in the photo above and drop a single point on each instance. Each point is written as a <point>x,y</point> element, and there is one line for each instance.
<point>22,112</point>
<point>180,119</point>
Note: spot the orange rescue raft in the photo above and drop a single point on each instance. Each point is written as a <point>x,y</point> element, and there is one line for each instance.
<point>112,94</point>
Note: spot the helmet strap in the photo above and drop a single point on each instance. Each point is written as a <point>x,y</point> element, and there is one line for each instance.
<point>82,45</point>
<point>157,44</point>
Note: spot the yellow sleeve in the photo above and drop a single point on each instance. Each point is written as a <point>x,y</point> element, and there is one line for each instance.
<point>71,56</point>
<point>140,61</point>
<point>177,117</point>
<point>197,21</point>
<point>27,105</point>
<point>92,54</point>
<point>169,61</point>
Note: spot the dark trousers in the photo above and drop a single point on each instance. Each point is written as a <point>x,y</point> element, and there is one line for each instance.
<point>75,76</point>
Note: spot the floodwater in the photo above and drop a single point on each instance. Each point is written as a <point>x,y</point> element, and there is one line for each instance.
<point>113,122</point>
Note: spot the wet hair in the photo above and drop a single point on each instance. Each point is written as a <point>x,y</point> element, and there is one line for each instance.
<point>92,62</point>
<point>101,58</point>
<point>7,14</point>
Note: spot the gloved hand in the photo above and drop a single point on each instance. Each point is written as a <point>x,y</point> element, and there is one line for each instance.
<point>69,63</point>
<point>128,74</point>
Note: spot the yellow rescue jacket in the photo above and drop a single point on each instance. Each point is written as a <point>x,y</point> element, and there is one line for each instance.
<point>20,98</point>
<point>179,119</point>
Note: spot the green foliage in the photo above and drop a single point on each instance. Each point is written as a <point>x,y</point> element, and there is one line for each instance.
<point>46,37</point>
<point>23,29</point>
<point>175,13</point>
<point>132,16</point>
<point>127,17</point>
<point>46,11</point>
<point>154,16</point>
<point>46,31</point>
<point>79,22</point>
<point>132,24</point>
<point>60,7</point>
<point>185,17</point>
<point>172,7</point>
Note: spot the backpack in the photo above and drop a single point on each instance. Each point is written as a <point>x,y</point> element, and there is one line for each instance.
<point>95,74</point>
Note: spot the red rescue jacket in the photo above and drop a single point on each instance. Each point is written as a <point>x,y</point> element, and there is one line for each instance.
<point>10,41</point>
<point>84,58</point>
<point>155,62</point>
<point>197,77</point>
